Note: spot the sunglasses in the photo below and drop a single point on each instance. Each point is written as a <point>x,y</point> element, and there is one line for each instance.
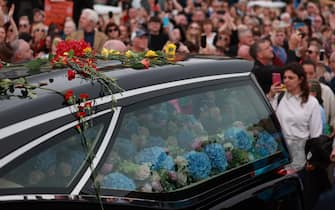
<point>38,30</point>
<point>23,25</point>
<point>310,51</point>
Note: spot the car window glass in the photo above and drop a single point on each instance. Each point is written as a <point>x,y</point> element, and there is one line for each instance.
<point>52,165</point>
<point>180,142</point>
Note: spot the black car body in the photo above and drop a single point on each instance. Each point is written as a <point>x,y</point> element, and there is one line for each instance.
<point>210,113</point>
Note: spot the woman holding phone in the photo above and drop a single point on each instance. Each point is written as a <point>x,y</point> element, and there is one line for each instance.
<point>298,112</point>
<point>299,115</point>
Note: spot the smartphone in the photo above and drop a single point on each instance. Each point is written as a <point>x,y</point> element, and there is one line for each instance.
<point>298,25</point>
<point>165,21</point>
<point>203,41</point>
<point>322,54</point>
<point>276,78</point>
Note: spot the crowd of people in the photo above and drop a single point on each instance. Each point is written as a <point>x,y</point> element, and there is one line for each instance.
<point>297,41</point>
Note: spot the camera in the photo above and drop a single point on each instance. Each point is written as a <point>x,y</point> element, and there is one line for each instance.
<point>322,54</point>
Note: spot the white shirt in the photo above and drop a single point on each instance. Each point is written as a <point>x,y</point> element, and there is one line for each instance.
<point>298,123</point>
<point>328,98</point>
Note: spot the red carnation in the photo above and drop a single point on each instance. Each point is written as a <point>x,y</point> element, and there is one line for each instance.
<point>84,96</point>
<point>145,63</point>
<point>68,95</point>
<point>80,114</point>
<point>80,108</point>
<point>71,74</point>
<point>88,104</point>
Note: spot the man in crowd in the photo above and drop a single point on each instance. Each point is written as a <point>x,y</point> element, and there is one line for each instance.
<point>157,38</point>
<point>261,51</point>
<point>140,41</point>
<point>327,94</point>
<point>87,23</point>
<point>21,51</point>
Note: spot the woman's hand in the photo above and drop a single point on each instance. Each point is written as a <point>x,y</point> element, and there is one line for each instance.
<point>11,11</point>
<point>275,88</point>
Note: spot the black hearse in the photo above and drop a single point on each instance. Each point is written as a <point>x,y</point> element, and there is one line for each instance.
<point>200,135</point>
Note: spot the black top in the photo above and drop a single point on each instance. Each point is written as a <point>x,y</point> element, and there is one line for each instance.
<point>89,37</point>
<point>157,42</point>
<point>263,75</point>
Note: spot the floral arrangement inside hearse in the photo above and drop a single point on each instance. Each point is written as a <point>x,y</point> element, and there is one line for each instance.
<point>147,158</point>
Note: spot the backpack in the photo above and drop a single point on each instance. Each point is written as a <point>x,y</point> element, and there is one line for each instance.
<point>318,150</point>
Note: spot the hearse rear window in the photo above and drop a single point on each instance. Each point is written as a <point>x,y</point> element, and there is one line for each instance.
<point>187,140</point>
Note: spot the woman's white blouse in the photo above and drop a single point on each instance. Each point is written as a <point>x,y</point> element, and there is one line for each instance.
<point>298,121</point>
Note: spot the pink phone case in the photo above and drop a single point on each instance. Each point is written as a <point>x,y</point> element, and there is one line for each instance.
<point>276,78</point>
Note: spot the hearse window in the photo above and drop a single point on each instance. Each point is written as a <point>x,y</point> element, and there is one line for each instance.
<point>54,164</point>
<point>186,140</point>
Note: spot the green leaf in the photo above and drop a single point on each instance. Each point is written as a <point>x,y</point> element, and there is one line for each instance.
<point>71,53</point>
<point>137,66</point>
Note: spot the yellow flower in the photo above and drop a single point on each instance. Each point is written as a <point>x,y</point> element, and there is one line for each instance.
<point>170,51</point>
<point>129,54</point>
<point>104,52</point>
<point>151,54</point>
<point>66,53</point>
<point>87,50</point>
<point>114,52</point>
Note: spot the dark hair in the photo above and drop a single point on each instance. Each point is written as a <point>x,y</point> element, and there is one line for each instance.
<point>111,25</point>
<point>254,48</point>
<point>297,69</point>
<point>309,62</point>
<point>25,36</point>
<point>316,88</point>
<point>6,52</point>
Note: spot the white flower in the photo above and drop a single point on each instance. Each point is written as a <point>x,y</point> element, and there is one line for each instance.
<point>146,188</point>
<point>228,146</point>
<point>142,172</point>
<point>181,161</point>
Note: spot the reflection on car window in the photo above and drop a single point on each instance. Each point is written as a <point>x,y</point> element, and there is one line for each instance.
<point>171,145</point>
<point>54,166</point>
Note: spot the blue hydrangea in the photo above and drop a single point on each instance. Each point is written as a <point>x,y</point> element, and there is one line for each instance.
<point>185,139</point>
<point>125,148</point>
<point>168,163</point>
<point>266,144</point>
<point>118,181</point>
<point>155,141</point>
<point>198,165</point>
<point>217,156</point>
<point>156,156</point>
<point>239,137</point>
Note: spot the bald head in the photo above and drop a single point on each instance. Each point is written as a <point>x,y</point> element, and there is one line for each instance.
<point>243,52</point>
<point>115,45</point>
